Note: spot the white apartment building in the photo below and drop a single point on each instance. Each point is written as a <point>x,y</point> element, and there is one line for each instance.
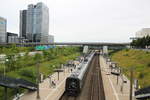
<point>142,33</point>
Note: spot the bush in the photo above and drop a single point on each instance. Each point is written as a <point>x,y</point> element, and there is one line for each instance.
<point>126,55</point>
<point>141,75</point>
<point>148,64</point>
<point>27,73</point>
<point>126,49</point>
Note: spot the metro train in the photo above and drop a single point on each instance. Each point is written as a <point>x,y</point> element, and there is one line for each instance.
<point>75,82</point>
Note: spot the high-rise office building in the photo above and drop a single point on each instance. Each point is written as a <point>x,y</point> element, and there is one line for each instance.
<point>3,26</point>
<point>34,24</point>
<point>23,25</point>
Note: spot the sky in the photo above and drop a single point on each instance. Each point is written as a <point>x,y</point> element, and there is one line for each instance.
<point>86,20</point>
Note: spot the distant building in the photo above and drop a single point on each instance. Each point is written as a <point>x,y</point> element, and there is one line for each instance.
<point>50,39</point>
<point>34,23</point>
<point>3,28</point>
<point>23,25</point>
<point>142,33</point>
<point>12,38</point>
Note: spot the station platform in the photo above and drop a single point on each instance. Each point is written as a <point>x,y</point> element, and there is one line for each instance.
<point>47,91</point>
<point>114,91</point>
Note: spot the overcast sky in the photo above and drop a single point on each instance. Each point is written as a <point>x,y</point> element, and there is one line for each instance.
<point>86,20</point>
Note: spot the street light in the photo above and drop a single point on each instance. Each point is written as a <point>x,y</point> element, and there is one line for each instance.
<point>6,60</point>
<point>5,88</point>
<point>38,92</point>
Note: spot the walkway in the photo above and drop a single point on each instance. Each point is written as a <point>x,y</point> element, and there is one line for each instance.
<point>111,88</point>
<point>47,92</point>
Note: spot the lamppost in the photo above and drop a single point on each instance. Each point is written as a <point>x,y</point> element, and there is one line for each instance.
<point>58,71</point>
<point>5,88</point>
<point>38,75</point>
<point>131,82</point>
<point>6,60</point>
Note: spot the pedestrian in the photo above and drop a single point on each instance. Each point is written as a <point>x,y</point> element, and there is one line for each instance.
<point>71,69</point>
<point>53,83</point>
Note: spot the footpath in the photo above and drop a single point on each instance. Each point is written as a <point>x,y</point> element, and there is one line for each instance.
<point>114,91</point>
<point>47,91</point>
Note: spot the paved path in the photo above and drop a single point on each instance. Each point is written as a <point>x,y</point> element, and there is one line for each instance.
<point>111,88</point>
<point>47,92</point>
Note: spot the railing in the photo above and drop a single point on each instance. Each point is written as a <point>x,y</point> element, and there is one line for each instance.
<point>13,83</point>
<point>143,93</point>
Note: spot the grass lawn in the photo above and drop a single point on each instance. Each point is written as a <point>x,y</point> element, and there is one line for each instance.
<point>138,59</point>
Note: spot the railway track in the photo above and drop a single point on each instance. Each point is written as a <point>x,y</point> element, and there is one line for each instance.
<point>66,97</point>
<point>96,87</point>
<point>93,86</point>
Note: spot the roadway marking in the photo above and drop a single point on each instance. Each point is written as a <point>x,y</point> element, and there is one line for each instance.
<point>115,93</point>
<point>51,88</point>
<point>123,94</point>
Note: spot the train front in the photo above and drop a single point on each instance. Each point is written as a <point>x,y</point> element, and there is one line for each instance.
<point>72,86</point>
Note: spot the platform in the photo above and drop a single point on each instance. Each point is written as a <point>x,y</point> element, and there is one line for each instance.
<point>111,88</point>
<point>47,91</point>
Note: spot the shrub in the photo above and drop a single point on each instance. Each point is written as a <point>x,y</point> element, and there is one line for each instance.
<point>126,55</point>
<point>141,75</point>
<point>147,52</point>
<point>148,64</point>
<point>126,49</point>
<point>27,73</point>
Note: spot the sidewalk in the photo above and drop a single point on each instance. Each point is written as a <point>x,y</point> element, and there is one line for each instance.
<point>46,91</point>
<point>111,88</point>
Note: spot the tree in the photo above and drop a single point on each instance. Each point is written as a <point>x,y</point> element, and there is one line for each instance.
<point>10,62</point>
<point>141,42</point>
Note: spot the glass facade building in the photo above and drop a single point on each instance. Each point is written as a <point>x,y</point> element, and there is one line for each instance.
<point>36,24</point>
<point>3,34</point>
<point>23,19</point>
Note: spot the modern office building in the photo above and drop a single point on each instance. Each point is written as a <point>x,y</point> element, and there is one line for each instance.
<point>143,32</point>
<point>23,25</point>
<point>12,38</point>
<point>34,23</point>
<point>3,28</point>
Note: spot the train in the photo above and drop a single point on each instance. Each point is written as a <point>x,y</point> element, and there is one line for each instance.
<point>75,82</point>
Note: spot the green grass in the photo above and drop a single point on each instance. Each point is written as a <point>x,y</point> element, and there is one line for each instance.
<point>138,59</point>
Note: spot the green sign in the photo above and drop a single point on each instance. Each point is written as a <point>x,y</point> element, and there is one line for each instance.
<point>40,48</point>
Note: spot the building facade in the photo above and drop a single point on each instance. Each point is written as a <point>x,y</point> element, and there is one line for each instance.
<point>23,19</point>
<point>35,23</point>
<point>3,29</point>
<point>50,39</point>
<point>12,38</point>
<point>142,33</point>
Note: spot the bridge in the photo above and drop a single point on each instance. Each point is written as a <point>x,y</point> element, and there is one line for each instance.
<point>70,43</point>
